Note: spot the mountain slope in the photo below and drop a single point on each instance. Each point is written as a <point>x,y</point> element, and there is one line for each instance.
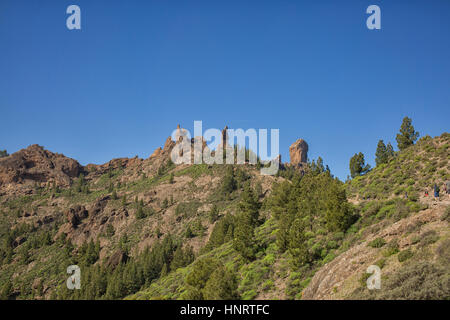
<point>146,228</point>
<point>412,171</point>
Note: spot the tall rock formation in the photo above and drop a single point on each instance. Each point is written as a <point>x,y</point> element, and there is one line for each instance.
<point>298,152</point>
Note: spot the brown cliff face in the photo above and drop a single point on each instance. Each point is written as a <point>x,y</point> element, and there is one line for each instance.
<point>298,152</point>
<point>35,164</point>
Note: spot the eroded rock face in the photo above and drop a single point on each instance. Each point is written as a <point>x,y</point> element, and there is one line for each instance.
<point>117,258</point>
<point>156,153</point>
<point>98,206</point>
<point>76,214</point>
<point>35,164</point>
<point>114,164</point>
<point>298,152</point>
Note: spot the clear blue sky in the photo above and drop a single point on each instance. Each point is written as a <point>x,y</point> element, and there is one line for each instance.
<point>119,86</point>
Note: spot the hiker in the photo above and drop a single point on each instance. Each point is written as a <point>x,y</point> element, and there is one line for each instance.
<point>436,191</point>
<point>447,187</point>
<point>426,193</point>
<point>406,195</point>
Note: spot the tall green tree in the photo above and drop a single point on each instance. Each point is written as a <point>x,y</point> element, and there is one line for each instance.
<point>338,215</point>
<point>222,285</point>
<point>358,166</point>
<point>229,183</point>
<point>407,135</point>
<point>3,153</point>
<point>246,222</point>
<point>213,214</point>
<point>140,212</point>
<point>390,151</point>
<point>381,155</point>
<point>298,247</point>
<point>200,274</point>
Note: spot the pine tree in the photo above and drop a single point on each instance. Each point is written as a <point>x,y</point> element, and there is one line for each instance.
<point>384,153</point>
<point>3,153</point>
<point>164,270</point>
<point>390,151</point>
<point>201,272</point>
<point>246,222</point>
<point>407,135</point>
<point>229,183</point>
<point>213,214</point>
<point>318,167</point>
<point>298,247</point>
<point>189,255</point>
<point>80,183</point>
<point>123,242</point>
<point>178,259</point>
<point>140,213</point>
<point>222,285</point>
<point>338,214</point>
<point>381,153</point>
<point>358,166</point>
<point>250,205</point>
<point>189,233</point>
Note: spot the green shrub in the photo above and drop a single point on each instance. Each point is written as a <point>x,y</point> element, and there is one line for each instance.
<point>268,285</point>
<point>428,238</point>
<point>418,281</point>
<point>415,239</point>
<point>391,248</point>
<point>386,211</point>
<point>249,295</point>
<point>446,215</point>
<point>380,263</point>
<point>329,257</point>
<point>405,255</point>
<point>363,279</point>
<point>377,243</point>
<point>187,209</point>
<point>332,244</point>
<point>269,259</point>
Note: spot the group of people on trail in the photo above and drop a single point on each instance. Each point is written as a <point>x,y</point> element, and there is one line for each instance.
<point>436,190</point>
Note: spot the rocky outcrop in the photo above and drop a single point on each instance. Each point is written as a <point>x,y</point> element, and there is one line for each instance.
<point>98,206</point>
<point>117,258</point>
<point>37,165</point>
<point>298,152</point>
<point>168,145</point>
<point>156,153</point>
<point>114,164</point>
<point>75,215</point>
